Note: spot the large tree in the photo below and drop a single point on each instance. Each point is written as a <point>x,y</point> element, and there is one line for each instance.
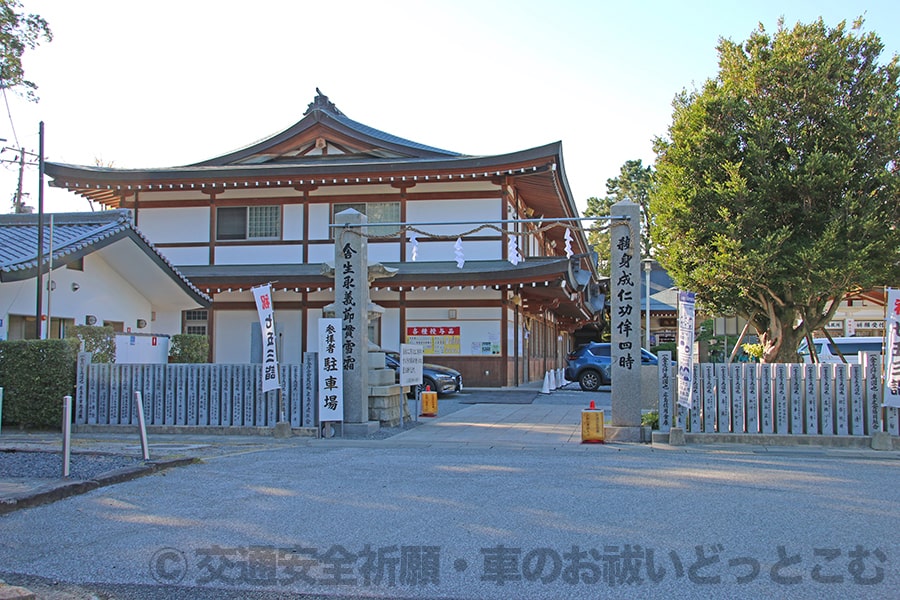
<point>18,31</point>
<point>633,183</point>
<point>777,187</point>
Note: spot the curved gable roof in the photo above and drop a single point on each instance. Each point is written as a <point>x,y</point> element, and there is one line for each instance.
<point>323,121</point>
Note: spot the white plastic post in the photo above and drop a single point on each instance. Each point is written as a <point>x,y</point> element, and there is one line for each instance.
<point>67,434</point>
<point>139,407</point>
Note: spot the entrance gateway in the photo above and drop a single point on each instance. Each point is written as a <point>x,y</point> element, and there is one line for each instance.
<point>353,305</point>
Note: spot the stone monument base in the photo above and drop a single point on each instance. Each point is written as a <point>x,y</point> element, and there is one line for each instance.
<point>881,440</point>
<point>628,434</point>
<point>359,429</point>
<point>676,436</point>
<point>282,429</point>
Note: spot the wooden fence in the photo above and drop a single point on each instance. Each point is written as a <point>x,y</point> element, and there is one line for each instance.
<point>785,399</point>
<point>210,395</point>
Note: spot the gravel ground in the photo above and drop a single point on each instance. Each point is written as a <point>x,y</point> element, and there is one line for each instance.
<point>41,464</point>
<point>48,465</point>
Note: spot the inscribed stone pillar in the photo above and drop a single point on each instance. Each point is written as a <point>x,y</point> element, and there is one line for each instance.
<point>625,320</point>
<point>351,299</point>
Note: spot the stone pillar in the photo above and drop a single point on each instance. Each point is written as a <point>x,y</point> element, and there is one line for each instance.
<point>351,300</point>
<point>625,321</point>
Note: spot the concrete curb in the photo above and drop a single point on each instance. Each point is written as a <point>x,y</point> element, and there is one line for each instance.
<point>196,430</point>
<point>14,592</point>
<point>58,490</point>
<point>769,439</point>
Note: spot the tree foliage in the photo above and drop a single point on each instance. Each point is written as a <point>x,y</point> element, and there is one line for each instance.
<point>99,340</point>
<point>777,188</point>
<point>18,31</point>
<point>635,181</point>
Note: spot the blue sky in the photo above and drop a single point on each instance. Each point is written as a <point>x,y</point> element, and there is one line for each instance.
<point>165,83</point>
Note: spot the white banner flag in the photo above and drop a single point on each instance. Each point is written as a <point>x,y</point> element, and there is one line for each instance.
<point>263,297</point>
<point>331,371</point>
<point>892,349</point>
<point>685,348</point>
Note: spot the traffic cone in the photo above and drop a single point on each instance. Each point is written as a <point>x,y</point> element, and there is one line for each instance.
<point>546,388</point>
<point>552,379</point>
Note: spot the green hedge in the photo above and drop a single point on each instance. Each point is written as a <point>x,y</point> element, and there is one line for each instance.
<point>35,376</point>
<point>189,348</point>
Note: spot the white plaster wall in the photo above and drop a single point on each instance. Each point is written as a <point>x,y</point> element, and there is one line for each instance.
<point>472,250</point>
<point>166,322</point>
<point>186,256</point>
<point>384,252</point>
<point>312,336</point>
<point>292,222</point>
<point>466,294</point>
<point>101,292</point>
<point>171,225</point>
<point>319,253</point>
<point>434,211</point>
<point>232,336</point>
<point>258,255</point>
<point>319,219</point>
<point>383,189</point>
<point>390,329</point>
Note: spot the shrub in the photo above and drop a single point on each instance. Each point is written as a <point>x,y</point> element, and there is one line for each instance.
<point>754,351</point>
<point>99,341</point>
<point>667,347</point>
<point>35,375</point>
<point>189,348</point>
<point>650,419</point>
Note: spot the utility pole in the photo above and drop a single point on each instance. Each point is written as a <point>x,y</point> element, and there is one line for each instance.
<point>19,205</point>
<point>18,201</point>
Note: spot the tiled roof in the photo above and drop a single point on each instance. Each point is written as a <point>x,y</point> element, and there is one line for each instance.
<point>390,138</point>
<point>72,235</point>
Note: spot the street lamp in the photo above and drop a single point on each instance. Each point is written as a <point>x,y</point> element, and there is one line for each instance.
<point>648,265</point>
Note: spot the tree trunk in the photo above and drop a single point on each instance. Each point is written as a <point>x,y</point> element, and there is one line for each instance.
<point>787,349</point>
<point>777,334</point>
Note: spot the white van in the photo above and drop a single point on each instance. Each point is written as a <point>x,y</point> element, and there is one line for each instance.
<point>850,347</point>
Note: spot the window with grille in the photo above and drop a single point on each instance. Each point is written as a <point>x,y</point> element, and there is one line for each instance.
<point>248,223</point>
<point>195,322</point>
<point>377,212</point>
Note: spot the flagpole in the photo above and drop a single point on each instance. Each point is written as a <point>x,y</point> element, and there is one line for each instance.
<point>40,235</point>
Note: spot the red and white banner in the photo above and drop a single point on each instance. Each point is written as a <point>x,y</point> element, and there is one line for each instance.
<point>263,297</point>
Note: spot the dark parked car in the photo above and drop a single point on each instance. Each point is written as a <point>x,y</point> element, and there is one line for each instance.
<point>589,364</point>
<point>442,380</point>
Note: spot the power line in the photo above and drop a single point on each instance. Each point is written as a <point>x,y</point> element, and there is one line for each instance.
<point>9,114</point>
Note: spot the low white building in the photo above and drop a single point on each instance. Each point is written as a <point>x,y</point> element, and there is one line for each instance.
<point>97,269</point>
